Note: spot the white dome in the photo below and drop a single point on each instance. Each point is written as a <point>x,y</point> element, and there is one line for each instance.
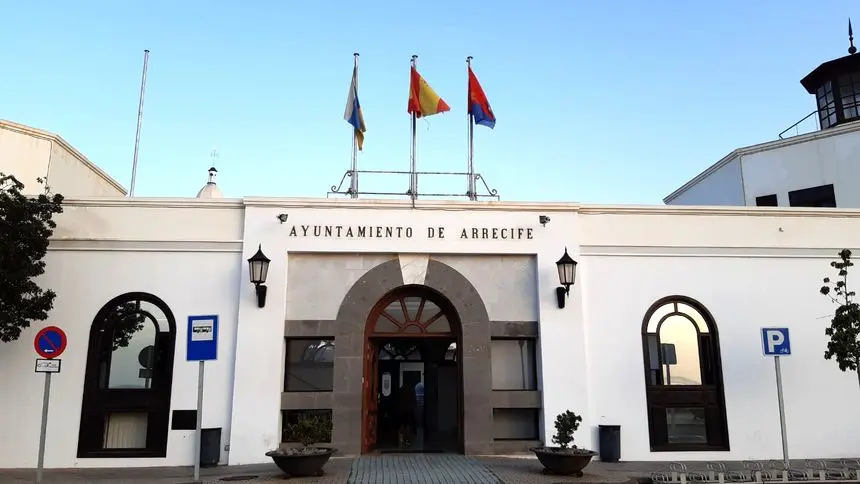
<point>210,189</point>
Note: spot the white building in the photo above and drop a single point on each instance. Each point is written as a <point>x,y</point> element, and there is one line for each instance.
<point>816,169</point>
<point>466,293</point>
<point>32,154</point>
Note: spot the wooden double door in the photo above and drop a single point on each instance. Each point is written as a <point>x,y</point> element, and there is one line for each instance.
<point>436,385</point>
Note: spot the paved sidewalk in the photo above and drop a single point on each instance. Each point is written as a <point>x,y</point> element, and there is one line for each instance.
<point>369,469</point>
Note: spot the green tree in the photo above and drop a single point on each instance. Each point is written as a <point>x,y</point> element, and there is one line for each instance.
<point>26,223</point>
<point>844,328</point>
<point>566,424</point>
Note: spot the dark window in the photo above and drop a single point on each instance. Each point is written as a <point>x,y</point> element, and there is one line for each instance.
<point>290,418</point>
<point>184,420</point>
<point>820,196</point>
<point>513,364</point>
<point>826,105</point>
<point>849,92</point>
<point>686,404</point>
<point>309,365</point>
<point>129,374</point>
<point>515,424</point>
<point>766,201</point>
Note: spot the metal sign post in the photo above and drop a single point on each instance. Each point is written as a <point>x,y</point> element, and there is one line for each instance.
<point>50,342</point>
<point>202,346</point>
<point>775,342</point>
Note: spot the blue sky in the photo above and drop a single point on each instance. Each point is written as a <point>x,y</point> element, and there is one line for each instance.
<point>596,101</point>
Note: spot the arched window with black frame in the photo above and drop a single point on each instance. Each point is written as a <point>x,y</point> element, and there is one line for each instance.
<point>683,376</point>
<point>129,373</point>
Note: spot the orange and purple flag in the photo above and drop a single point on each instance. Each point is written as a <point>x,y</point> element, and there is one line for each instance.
<point>479,106</point>
<point>423,100</point>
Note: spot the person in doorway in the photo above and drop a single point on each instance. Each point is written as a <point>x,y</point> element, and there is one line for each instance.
<point>406,413</point>
<point>419,404</point>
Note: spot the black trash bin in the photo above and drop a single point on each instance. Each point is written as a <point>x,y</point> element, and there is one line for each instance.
<point>210,447</point>
<point>610,442</point>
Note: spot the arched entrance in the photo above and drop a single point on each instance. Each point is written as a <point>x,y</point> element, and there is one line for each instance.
<point>412,340</point>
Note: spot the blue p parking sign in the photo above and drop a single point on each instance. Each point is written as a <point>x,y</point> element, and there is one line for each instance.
<point>775,341</point>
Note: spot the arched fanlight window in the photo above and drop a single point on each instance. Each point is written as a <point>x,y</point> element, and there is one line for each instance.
<point>412,315</point>
<point>677,333</point>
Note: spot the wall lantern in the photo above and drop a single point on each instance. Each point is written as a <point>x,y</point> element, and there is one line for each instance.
<point>566,277</point>
<point>258,266</point>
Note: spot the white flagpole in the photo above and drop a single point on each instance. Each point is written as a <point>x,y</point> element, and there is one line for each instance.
<point>470,191</point>
<point>353,184</point>
<point>413,176</point>
<point>139,120</point>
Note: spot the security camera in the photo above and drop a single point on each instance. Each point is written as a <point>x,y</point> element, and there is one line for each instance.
<point>543,219</point>
<point>282,217</point>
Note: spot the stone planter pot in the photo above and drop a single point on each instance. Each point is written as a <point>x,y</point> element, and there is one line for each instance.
<point>566,462</point>
<point>301,461</point>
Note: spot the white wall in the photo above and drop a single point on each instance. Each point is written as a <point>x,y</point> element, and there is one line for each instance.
<point>69,175</point>
<point>25,157</point>
<point>84,280</point>
<point>187,254</point>
<point>30,153</point>
<point>724,186</point>
<point>833,159</point>
<point>819,399</point>
<point>749,272</point>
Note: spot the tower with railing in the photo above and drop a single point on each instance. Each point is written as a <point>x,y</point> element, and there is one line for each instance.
<point>836,87</point>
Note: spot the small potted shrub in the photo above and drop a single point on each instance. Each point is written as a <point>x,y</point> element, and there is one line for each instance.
<point>308,459</point>
<point>566,459</point>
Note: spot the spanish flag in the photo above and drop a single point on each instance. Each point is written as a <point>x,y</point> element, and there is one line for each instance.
<point>423,100</point>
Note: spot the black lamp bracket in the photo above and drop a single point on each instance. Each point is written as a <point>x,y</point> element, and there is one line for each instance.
<point>560,295</point>
<point>260,289</point>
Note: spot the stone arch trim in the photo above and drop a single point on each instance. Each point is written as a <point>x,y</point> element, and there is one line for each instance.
<point>475,363</point>
<point>386,277</point>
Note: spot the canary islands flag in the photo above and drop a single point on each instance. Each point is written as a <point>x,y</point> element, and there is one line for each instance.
<point>423,100</point>
<point>353,114</point>
<point>479,106</point>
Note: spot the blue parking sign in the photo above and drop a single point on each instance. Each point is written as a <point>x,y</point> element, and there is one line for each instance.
<point>775,341</point>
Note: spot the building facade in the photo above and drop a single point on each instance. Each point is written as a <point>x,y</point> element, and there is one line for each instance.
<point>366,296</point>
<point>813,169</point>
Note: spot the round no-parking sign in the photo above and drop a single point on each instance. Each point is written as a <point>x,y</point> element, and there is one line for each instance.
<point>50,342</point>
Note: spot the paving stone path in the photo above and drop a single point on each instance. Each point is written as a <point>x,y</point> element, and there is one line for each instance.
<point>375,469</point>
<point>420,469</point>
